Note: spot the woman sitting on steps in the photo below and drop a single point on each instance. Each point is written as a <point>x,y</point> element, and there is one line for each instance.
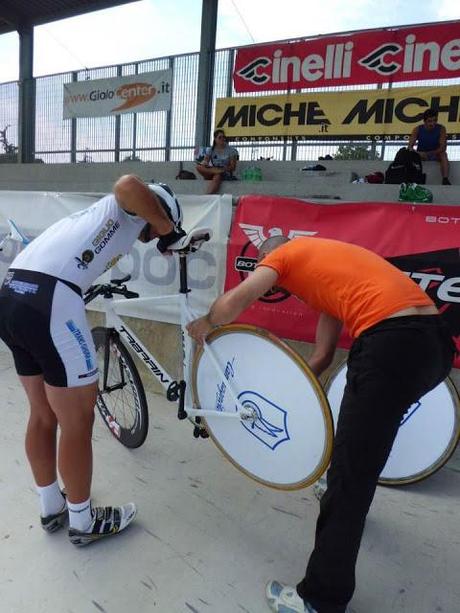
<point>219,162</point>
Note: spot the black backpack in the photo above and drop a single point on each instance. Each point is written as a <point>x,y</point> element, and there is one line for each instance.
<point>406,168</point>
<point>184,174</point>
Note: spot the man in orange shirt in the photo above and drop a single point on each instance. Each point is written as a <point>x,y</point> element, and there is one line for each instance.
<point>401,350</point>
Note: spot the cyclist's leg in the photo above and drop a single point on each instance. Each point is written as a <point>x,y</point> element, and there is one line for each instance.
<point>41,432</point>
<point>74,410</point>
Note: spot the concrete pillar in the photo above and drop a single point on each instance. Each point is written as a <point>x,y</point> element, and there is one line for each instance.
<point>206,72</point>
<point>26,114</point>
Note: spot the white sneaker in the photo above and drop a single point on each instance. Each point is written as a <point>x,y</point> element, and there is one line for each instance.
<point>107,521</point>
<point>320,487</point>
<point>284,599</point>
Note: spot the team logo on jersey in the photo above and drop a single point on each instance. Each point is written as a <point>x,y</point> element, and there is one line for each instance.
<point>104,235</point>
<point>113,261</point>
<point>247,260</point>
<point>86,258</point>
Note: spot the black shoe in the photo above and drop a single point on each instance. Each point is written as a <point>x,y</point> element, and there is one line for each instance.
<point>445,181</point>
<point>54,522</point>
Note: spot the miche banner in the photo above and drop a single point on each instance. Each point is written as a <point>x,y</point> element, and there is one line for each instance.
<point>148,91</point>
<point>421,240</point>
<point>375,114</point>
<point>410,53</point>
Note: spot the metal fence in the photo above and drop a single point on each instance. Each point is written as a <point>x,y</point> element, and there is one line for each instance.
<point>161,135</point>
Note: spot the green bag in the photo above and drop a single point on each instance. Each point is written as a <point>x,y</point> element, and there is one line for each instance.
<point>252,173</point>
<point>411,192</point>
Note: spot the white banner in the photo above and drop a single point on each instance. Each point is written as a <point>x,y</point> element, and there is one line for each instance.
<point>152,273</point>
<point>148,91</point>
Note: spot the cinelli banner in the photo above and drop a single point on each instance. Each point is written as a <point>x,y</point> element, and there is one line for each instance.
<point>421,240</point>
<point>410,53</point>
<point>370,114</point>
<point>148,91</point>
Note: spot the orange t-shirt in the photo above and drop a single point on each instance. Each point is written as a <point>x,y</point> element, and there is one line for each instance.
<point>348,282</point>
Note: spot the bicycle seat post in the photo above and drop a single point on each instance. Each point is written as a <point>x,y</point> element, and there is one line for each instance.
<point>183,288</point>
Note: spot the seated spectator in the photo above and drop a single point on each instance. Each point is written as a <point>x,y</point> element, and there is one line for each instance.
<point>219,162</point>
<point>431,142</point>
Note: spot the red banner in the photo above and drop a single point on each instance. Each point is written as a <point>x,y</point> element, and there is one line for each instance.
<point>430,51</point>
<point>421,240</point>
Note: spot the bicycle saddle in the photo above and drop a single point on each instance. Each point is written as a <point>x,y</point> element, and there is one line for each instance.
<point>192,241</point>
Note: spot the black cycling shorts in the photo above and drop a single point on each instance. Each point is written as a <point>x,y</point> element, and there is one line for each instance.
<point>43,322</point>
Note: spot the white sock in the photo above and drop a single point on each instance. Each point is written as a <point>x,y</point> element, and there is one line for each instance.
<point>80,515</point>
<point>51,499</point>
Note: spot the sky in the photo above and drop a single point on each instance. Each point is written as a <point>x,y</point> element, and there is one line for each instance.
<point>155,28</point>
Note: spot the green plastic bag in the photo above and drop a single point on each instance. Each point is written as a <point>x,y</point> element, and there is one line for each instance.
<point>411,192</point>
<point>252,173</point>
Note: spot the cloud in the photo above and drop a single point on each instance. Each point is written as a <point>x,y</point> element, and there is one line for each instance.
<point>298,18</point>
<point>9,52</point>
<point>448,9</point>
<point>157,28</point>
<point>141,30</point>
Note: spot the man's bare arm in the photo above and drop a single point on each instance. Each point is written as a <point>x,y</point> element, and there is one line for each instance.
<point>327,336</point>
<point>134,196</point>
<point>228,306</point>
<point>442,141</point>
<point>413,138</point>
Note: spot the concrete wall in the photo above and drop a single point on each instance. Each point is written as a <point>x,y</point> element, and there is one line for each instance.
<point>279,178</point>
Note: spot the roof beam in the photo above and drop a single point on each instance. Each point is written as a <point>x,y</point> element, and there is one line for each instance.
<point>11,15</point>
<point>75,9</point>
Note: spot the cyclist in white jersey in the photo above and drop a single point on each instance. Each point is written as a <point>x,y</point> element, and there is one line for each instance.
<point>43,321</point>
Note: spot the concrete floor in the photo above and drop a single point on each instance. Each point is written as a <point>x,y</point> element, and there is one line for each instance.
<point>206,538</point>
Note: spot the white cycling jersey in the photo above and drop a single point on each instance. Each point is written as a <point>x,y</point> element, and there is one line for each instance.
<point>82,246</point>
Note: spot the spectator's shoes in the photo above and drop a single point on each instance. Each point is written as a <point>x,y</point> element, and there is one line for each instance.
<point>445,181</point>
<point>319,488</point>
<point>107,521</point>
<point>411,192</point>
<point>284,599</point>
<point>54,522</point>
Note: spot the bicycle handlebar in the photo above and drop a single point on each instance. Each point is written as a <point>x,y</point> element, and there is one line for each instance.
<point>109,289</point>
<point>120,281</point>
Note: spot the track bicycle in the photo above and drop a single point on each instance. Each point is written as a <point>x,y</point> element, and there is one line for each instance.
<point>246,389</point>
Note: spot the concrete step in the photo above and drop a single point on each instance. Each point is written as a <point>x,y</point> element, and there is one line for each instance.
<point>282,178</point>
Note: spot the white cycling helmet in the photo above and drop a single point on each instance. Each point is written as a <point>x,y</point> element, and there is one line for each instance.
<point>169,202</point>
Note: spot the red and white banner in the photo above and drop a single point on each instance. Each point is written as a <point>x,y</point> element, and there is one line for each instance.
<point>421,240</point>
<point>430,51</point>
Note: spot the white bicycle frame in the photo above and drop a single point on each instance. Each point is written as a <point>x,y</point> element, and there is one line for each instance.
<point>168,383</point>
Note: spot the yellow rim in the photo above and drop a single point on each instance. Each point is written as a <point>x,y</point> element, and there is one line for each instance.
<point>427,472</point>
<point>326,411</point>
<point>423,474</point>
